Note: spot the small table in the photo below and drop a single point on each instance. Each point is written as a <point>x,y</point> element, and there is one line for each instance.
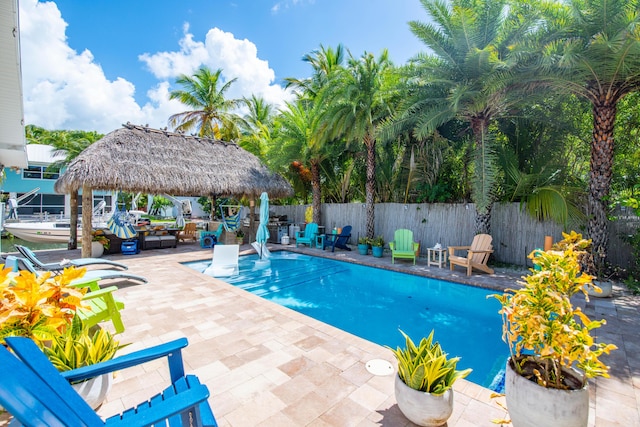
<point>437,256</point>
<point>319,241</point>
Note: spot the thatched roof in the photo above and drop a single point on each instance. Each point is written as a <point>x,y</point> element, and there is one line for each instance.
<point>140,159</point>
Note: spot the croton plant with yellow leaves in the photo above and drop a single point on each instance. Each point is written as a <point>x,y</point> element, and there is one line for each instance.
<point>38,307</point>
<point>546,334</point>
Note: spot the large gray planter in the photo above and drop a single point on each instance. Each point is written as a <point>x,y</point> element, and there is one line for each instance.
<point>531,405</point>
<point>423,409</point>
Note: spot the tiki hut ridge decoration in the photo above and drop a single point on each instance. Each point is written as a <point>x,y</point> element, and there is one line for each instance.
<point>152,161</point>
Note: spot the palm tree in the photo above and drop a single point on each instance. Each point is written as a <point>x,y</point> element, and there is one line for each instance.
<point>597,57</point>
<point>212,114</point>
<point>359,99</point>
<point>324,62</point>
<point>470,76</point>
<point>305,113</point>
<point>301,141</point>
<point>256,126</point>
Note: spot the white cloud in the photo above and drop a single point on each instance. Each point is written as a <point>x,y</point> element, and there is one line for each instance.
<point>64,89</point>
<point>237,59</point>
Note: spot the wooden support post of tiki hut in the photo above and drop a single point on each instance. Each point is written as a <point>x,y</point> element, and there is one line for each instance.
<point>73,221</point>
<point>87,212</point>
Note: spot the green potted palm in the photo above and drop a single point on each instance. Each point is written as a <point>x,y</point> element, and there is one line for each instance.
<point>552,351</point>
<point>377,246</point>
<point>423,386</point>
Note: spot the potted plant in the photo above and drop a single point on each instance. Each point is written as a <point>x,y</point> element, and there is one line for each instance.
<point>239,236</point>
<point>552,351</point>
<point>423,384</point>
<point>363,245</point>
<point>377,246</point>
<point>37,307</point>
<point>80,346</point>
<point>99,243</point>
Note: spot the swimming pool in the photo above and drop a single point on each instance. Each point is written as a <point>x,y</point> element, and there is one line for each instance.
<point>373,304</point>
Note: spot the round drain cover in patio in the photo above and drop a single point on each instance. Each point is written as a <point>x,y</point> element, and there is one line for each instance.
<point>379,367</point>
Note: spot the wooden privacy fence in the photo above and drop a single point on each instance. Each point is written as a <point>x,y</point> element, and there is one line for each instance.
<point>515,233</point>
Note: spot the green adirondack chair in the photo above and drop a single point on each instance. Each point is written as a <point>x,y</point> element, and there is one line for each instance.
<point>403,245</point>
<point>308,235</point>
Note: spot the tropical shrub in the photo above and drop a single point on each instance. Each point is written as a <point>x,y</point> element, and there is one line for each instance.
<point>546,334</point>
<point>38,307</point>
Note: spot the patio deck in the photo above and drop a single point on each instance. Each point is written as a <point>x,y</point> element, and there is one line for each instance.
<point>270,366</point>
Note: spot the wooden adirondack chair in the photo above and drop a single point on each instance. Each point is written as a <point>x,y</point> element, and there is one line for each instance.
<point>188,232</point>
<point>339,241</point>
<point>477,254</point>
<point>308,235</point>
<point>35,393</point>
<point>102,305</point>
<point>403,245</point>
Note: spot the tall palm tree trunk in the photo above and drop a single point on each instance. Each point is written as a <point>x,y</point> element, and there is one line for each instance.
<point>316,191</point>
<point>602,145</point>
<point>483,198</point>
<point>370,143</point>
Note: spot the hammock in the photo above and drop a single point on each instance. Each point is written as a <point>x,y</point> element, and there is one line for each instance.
<point>119,225</point>
<point>231,222</point>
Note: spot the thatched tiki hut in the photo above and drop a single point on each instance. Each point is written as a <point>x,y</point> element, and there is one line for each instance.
<point>139,159</point>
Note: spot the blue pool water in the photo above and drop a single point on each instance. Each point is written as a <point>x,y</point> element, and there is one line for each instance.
<point>373,304</point>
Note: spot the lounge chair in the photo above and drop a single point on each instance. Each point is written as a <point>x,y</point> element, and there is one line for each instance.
<point>57,266</point>
<point>224,261</point>
<point>403,246</point>
<point>308,235</point>
<point>100,302</point>
<point>338,240</point>
<point>477,254</point>
<point>35,393</point>
<point>188,232</point>
<point>90,274</point>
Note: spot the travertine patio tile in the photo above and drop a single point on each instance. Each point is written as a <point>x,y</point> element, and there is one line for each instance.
<point>293,390</point>
<point>304,410</point>
<point>368,397</point>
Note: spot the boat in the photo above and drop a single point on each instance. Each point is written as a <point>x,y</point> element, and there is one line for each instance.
<point>41,232</point>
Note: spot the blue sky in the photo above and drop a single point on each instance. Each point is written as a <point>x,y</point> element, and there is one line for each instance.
<point>96,64</point>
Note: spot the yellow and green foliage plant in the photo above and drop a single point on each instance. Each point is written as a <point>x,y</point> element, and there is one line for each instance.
<point>425,367</point>
<point>80,346</point>
<point>38,307</point>
<point>546,334</point>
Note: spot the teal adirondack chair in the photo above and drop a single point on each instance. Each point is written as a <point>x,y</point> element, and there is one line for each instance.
<point>307,236</point>
<point>403,245</point>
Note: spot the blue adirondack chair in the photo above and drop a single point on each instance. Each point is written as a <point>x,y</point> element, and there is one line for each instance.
<point>308,235</point>
<point>339,241</point>
<point>403,245</point>
<point>36,394</point>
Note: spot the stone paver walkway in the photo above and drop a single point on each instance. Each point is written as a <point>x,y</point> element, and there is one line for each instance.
<point>266,365</point>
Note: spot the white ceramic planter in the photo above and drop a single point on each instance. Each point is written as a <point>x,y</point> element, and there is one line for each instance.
<point>96,249</point>
<point>607,289</point>
<point>94,391</point>
<point>531,405</point>
<point>423,409</point>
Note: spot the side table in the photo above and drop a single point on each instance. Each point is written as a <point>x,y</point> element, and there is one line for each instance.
<point>320,241</point>
<point>437,256</point>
